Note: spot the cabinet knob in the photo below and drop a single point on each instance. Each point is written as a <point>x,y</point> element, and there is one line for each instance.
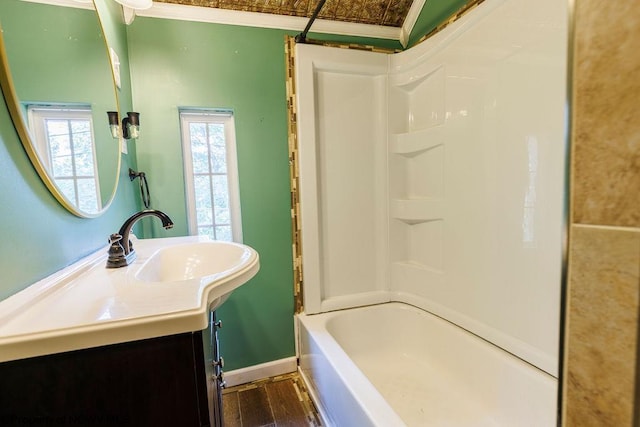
<point>218,324</point>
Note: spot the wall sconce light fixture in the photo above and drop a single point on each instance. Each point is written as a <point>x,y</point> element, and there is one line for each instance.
<point>130,125</point>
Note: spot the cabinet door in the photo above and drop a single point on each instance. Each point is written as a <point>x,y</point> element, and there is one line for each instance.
<point>155,382</point>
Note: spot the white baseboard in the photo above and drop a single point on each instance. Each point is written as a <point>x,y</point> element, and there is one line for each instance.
<point>261,371</point>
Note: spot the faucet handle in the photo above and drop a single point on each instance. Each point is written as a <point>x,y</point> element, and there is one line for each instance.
<point>117,257</point>
<point>116,249</point>
<point>117,245</point>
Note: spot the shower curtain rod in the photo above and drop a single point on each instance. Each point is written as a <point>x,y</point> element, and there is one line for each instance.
<point>302,37</point>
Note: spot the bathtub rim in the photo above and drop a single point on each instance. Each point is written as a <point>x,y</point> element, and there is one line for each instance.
<point>351,376</point>
<point>318,324</point>
<point>515,347</point>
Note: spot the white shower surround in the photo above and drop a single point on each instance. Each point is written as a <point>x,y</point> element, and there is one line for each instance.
<point>435,177</point>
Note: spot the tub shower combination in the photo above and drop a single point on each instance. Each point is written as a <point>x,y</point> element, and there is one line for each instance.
<point>394,364</point>
<point>431,199</point>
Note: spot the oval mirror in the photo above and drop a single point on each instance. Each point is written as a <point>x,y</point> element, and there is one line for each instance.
<point>58,83</point>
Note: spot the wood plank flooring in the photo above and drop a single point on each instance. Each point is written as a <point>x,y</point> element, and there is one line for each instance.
<point>273,402</point>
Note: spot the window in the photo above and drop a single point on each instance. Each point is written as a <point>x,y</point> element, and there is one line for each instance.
<point>65,143</point>
<point>211,177</point>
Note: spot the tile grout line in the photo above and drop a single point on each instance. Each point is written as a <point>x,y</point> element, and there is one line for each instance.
<point>239,408</point>
<point>273,414</point>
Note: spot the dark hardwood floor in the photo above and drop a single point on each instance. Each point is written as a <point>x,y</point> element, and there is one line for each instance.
<point>273,402</point>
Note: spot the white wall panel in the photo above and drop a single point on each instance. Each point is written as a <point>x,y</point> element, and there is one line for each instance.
<point>343,162</point>
<point>499,242</point>
<point>472,124</point>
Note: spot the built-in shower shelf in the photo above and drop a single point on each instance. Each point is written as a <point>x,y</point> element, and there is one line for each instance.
<point>415,142</point>
<point>412,272</point>
<point>412,80</point>
<point>414,211</point>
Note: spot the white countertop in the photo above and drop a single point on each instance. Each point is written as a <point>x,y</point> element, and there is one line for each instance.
<point>87,305</point>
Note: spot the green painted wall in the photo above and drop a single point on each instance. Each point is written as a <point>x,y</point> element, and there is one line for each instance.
<point>187,64</point>
<point>115,31</point>
<point>48,77</point>
<point>181,64</point>
<point>39,236</point>
<point>433,13</point>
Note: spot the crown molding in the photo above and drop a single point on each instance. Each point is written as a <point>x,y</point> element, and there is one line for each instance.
<point>266,20</point>
<point>410,21</point>
<point>262,20</point>
<point>65,3</point>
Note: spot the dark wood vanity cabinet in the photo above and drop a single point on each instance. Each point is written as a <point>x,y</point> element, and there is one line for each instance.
<point>153,382</point>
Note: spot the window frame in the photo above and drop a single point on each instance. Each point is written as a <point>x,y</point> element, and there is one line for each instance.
<point>37,115</point>
<point>226,118</point>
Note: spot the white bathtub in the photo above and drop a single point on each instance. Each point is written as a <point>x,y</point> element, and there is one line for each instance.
<point>393,364</point>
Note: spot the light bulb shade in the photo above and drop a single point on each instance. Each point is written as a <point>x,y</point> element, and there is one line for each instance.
<point>134,118</point>
<point>114,124</point>
<point>113,118</point>
<point>131,125</point>
<point>136,4</point>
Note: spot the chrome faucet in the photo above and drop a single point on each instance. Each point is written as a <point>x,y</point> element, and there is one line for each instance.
<point>122,255</point>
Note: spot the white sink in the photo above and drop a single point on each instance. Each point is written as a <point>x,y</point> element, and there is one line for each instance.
<point>220,267</point>
<point>169,289</point>
<point>199,260</point>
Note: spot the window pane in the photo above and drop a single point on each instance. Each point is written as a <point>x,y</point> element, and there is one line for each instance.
<point>216,134</point>
<point>218,159</point>
<point>218,148</point>
<point>60,145</point>
<point>206,231</point>
<point>62,166</point>
<point>87,195</point>
<point>224,233</point>
<point>84,164</point>
<point>82,142</point>
<point>67,188</point>
<point>198,130</point>
<point>57,127</point>
<point>202,190</point>
<point>204,216</point>
<point>199,148</point>
<point>221,199</point>
<point>80,126</point>
<point>200,159</point>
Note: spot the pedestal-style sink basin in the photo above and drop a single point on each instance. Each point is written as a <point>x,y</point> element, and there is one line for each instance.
<point>198,260</point>
<point>217,267</point>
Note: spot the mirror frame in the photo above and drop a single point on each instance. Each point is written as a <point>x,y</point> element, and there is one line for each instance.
<point>19,122</point>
